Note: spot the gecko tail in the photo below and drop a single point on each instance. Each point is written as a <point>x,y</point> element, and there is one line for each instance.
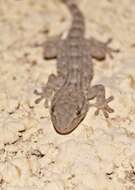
<point>69,2</point>
<point>78,25</point>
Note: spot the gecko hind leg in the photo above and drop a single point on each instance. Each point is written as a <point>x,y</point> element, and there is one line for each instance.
<point>98,92</point>
<point>99,49</point>
<point>50,47</point>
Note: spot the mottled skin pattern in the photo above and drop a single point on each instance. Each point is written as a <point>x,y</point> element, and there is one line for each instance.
<point>71,90</point>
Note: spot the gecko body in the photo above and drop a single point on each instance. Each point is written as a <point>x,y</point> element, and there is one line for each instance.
<point>70,90</point>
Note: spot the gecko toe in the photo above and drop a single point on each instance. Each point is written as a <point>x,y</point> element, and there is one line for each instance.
<point>36,92</point>
<point>97,112</point>
<point>109,99</point>
<point>109,109</point>
<point>38,100</point>
<point>110,50</point>
<point>106,115</point>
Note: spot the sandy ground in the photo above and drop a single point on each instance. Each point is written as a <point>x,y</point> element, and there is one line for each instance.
<point>100,153</point>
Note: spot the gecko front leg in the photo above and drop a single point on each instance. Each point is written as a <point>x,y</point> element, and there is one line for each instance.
<point>53,84</point>
<point>98,92</point>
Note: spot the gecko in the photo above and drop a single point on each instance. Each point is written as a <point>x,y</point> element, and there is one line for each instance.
<point>70,91</point>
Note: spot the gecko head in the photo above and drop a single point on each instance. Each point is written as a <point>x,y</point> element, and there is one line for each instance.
<point>68,109</point>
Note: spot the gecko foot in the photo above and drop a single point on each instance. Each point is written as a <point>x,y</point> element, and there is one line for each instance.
<point>103,106</point>
<point>42,95</point>
<point>100,49</point>
<point>47,90</point>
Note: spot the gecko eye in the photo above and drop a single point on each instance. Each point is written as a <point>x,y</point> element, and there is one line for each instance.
<point>78,112</point>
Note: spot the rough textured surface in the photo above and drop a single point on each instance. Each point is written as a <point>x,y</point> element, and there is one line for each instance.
<point>100,153</point>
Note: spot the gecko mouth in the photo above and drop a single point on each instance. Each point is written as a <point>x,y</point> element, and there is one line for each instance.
<point>66,130</point>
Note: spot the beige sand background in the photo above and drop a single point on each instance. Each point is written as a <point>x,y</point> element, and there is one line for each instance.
<point>100,153</point>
